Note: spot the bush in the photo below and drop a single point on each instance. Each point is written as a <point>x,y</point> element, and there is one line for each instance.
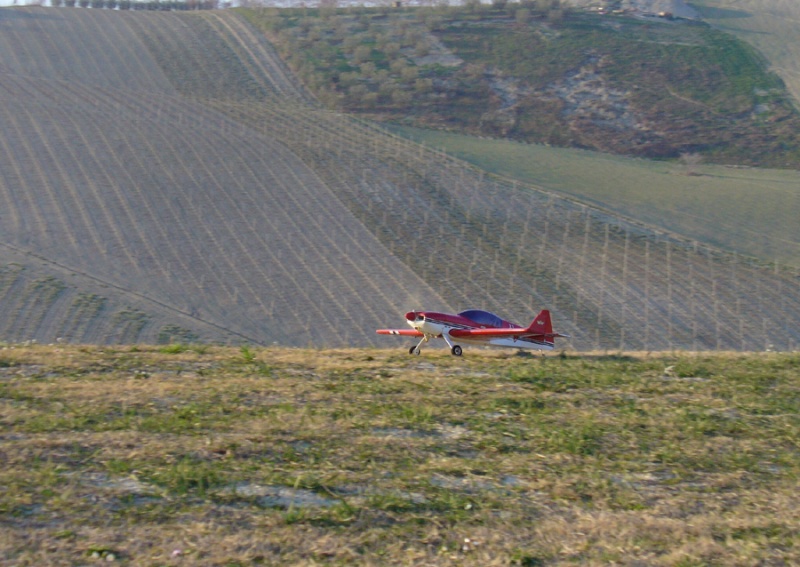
<point>361,54</point>
<point>409,74</point>
<point>401,97</point>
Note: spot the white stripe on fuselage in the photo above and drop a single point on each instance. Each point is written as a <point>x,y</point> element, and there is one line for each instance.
<point>506,342</point>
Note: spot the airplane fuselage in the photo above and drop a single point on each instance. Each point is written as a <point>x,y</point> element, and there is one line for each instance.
<point>434,324</point>
<point>476,327</point>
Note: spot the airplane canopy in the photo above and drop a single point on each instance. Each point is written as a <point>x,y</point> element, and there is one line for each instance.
<point>482,317</point>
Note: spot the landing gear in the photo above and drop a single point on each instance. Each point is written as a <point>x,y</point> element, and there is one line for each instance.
<point>416,348</point>
<point>455,350</point>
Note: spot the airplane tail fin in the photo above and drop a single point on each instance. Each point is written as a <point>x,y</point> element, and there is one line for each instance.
<point>543,326</point>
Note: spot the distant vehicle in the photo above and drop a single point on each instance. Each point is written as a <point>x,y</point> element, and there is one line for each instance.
<point>477,327</point>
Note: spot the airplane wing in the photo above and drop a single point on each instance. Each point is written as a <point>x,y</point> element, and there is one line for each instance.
<point>404,332</point>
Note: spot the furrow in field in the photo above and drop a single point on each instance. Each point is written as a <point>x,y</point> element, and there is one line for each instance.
<point>166,112</point>
<point>431,215</point>
<point>166,262</point>
<point>244,52</point>
<point>221,166</point>
<point>10,275</point>
<point>13,212</point>
<point>126,53</point>
<point>265,55</point>
<point>86,251</point>
<point>234,247</point>
<point>118,157</point>
<point>331,284</point>
<point>81,316</point>
<point>330,231</point>
<point>24,57</point>
<point>197,61</point>
<point>309,197</point>
<point>354,188</point>
<point>35,186</point>
<point>35,300</point>
<point>88,185</point>
<point>189,230</point>
<point>86,233</point>
<point>320,206</point>
<point>129,326</point>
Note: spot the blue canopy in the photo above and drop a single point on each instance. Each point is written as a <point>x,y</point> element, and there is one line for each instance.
<point>482,317</point>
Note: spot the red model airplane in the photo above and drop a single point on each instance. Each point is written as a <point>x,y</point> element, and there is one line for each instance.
<point>476,327</point>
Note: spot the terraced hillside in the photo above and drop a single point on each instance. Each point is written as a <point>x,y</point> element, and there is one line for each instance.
<point>163,177</point>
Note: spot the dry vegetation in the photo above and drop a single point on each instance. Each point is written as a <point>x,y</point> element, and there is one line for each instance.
<point>220,456</point>
<point>649,87</point>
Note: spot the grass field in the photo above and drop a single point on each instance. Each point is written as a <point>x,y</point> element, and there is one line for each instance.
<point>222,456</point>
<point>751,211</point>
<point>771,26</point>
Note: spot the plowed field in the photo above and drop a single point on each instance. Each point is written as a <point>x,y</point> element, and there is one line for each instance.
<point>163,177</point>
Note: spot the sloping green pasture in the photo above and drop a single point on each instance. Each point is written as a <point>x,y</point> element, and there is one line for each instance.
<point>750,211</point>
<point>219,456</point>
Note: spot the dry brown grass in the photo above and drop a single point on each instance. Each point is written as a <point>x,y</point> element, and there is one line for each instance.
<point>221,456</point>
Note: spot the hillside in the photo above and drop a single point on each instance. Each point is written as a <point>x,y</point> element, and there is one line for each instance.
<point>751,211</point>
<point>224,456</point>
<point>771,26</point>
<point>624,84</point>
<point>165,178</point>
<point>174,211</point>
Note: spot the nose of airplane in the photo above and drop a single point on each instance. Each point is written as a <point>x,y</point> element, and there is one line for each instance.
<point>411,315</point>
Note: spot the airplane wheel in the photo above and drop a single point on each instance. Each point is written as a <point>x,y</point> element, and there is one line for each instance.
<point>456,350</point>
<point>413,350</point>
